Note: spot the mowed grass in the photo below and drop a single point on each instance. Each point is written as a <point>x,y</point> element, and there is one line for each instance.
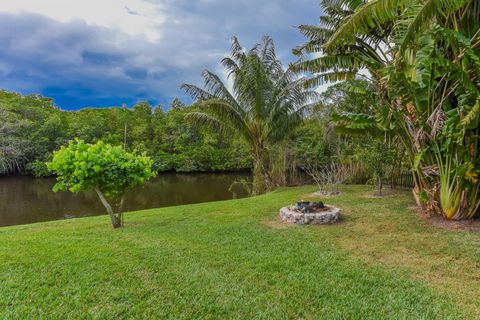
<point>236,260</point>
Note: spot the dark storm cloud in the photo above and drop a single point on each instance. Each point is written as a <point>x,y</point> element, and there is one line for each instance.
<point>82,65</point>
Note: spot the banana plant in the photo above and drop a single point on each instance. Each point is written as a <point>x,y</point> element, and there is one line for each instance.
<point>423,56</point>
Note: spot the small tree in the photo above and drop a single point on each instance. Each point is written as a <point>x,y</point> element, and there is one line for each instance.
<point>327,177</point>
<point>379,157</point>
<point>108,170</point>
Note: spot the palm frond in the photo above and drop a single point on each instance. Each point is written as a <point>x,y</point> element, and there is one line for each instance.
<point>238,53</point>
<point>224,112</point>
<point>329,77</point>
<point>355,123</point>
<point>200,120</point>
<point>419,15</point>
<point>196,92</point>
<point>327,63</point>
<point>373,14</point>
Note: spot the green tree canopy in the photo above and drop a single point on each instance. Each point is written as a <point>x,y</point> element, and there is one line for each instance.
<point>31,128</point>
<point>108,170</point>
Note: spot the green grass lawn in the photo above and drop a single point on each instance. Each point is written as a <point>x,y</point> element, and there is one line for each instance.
<point>235,260</point>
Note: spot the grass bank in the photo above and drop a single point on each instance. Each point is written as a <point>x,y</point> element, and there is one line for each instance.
<point>234,259</point>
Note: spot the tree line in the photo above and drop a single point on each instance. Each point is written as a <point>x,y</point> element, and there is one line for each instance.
<point>31,128</point>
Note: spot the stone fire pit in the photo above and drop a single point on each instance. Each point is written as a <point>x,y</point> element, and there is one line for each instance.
<point>305,212</point>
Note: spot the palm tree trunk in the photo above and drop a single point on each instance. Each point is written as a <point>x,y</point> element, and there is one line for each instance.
<point>261,177</point>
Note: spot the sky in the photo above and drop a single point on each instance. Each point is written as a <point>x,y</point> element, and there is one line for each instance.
<point>99,53</point>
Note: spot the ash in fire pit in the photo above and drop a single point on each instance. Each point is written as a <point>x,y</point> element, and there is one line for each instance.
<point>308,207</point>
<point>306,212</point>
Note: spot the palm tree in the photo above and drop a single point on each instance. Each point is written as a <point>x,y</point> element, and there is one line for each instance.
<point>265,104</point>
<point>424,59</point>
<point>369,50</point>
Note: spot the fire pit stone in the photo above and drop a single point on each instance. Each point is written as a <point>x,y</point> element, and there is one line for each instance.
<point>305,212</point>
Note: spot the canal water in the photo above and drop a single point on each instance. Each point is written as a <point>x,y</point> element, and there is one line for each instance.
<point>26,200</point>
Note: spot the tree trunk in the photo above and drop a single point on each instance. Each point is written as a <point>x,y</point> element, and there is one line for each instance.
<point>120,210</point>
<point>261,178</point>
<point>380,185</point>
<point>116,222</point>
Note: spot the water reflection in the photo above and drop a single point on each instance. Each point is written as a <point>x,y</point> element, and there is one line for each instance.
<point>26,200</point>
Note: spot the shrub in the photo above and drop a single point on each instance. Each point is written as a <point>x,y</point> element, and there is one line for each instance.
<point>108,170</point>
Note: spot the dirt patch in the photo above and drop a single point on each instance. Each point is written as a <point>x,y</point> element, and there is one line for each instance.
<point>471,225</point>
<point>324,194</point>
<point>386,193</point>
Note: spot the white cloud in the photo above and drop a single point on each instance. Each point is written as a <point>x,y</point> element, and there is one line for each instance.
<point>133,17</point>
<point>106,52</point>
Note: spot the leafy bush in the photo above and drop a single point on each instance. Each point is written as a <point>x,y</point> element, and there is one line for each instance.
<point>203,158</point>
<point>379,158</point>
<point>38,169</point>
<point>108,170</point>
